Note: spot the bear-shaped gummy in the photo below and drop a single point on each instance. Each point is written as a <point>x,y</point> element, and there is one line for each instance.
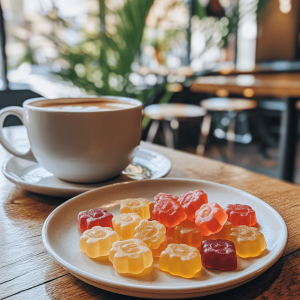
<point>130,256</point>
<point>97,241</point>
<point>124,225</point>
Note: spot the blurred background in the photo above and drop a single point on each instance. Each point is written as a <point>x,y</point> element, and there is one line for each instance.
<point>169,52</point>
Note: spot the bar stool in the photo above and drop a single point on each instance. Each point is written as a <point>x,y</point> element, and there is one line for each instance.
<point>169,116</point>
<point>233,107</point>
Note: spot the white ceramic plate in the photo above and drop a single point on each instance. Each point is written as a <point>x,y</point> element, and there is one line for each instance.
<point>61,239</point>
<point>32,177</point>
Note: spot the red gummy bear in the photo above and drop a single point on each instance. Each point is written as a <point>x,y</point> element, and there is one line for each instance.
<point>239,214</point>
<point>218,254</point>
<point>94,217</point>
<point>167,211</point>
<point>191,202</point>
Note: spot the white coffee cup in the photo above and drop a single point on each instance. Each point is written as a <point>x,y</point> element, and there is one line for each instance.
<point>79,145</point>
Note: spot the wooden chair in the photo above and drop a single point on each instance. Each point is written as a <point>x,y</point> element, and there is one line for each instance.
<point>233,107</point>
<point>169,117</point>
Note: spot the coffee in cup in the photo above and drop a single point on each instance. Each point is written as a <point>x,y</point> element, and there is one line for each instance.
<point>81,140</point>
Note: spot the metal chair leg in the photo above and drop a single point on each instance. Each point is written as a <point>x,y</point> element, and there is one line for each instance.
<point>204,132</point>
<point>231,135</point>
<point>152,131</point>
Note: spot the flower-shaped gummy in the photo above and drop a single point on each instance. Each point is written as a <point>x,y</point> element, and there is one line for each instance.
<point>219,254</point>
<point>187,232</point>
<point>248,241</point>
<point>94,217</point>
<point>156,252</point>
<point>139,206</point>
<point>191,202</point>
<point>181,260</point>
<point>97,241</point>
<point>239,214</point>
<point>210,218</point>
<point>223,234</point>
<point>152,233</point>
<point>130,256</point>
<point>167,211</point>
<point>124,225</point>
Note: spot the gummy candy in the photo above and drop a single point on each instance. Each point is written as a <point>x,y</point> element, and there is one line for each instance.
<point>124,225</point>
<point>223,234</point>
<point>168,212</point>
<point>97,241</point>
<point>94,217</point>
<point>156,252</point>
<point>152,233</point>
<point>218,254</point>
<point>163,196</point>
<point>139,206</point>
<point>249,242</point>
<point>187,233</point>
<point>239,214</point>
<point>130,256</point>
<point>210,218</point>
<point>181,260</point>
<point>191,202</point>
<point>151,206</point>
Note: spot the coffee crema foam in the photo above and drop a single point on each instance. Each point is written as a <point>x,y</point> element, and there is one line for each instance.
<point>82,106</point>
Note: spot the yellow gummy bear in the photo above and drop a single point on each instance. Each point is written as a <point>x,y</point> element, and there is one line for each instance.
<point>139,206</point>
<point>130,256</point>
<point>181,260</point>
<point>97,241</point>
<point>248,241</point>
<point>124,224</point>
<point>223,234</point>
<point>187,232</point>
<point>152,233</point>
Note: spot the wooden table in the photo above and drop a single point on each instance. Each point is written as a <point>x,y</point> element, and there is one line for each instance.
<point>27,271</point>
<point>284,86</point>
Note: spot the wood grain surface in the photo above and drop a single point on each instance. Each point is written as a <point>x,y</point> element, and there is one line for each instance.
<point>27,271</point>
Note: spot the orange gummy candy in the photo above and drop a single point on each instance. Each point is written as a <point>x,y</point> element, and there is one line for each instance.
<point>248,241</point>
<point>124,224</point>
<point>210,218</point>
<point>139,206</point>
<point>223,234</point>
<point>181,260</point>
<point>156,252</point>
<point>187,233</point>
<point>130,256</point>
<point>152,233</point>
<point>97,241</point>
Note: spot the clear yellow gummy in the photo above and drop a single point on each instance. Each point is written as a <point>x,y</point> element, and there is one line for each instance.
<point>139,206</point>
<point>97,241</point>
<point>223,234</point>
<point>181,260</point>
<point>150,232</point>
<point>248,241</point>
<point>124,224</point>
<point>187,232</point>
<point>130,256</point>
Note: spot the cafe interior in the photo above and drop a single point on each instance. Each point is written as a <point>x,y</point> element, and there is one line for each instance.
<point>219,85</point>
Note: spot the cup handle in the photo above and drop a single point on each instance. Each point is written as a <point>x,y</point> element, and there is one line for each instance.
<point>18,112</point>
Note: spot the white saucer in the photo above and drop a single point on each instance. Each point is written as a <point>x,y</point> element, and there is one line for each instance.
<point>61,239</point>
<point>146,164</point>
